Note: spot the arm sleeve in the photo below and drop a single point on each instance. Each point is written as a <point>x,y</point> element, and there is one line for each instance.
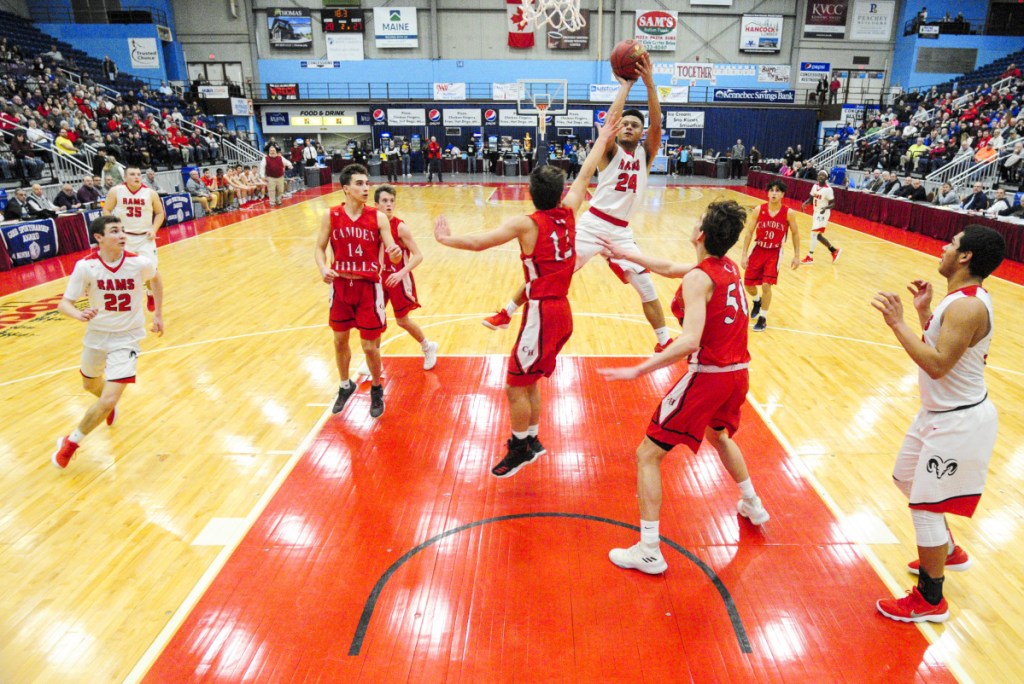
<point>77,283</point>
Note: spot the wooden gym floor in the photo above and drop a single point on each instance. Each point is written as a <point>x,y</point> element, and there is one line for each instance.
<point>229,529</point>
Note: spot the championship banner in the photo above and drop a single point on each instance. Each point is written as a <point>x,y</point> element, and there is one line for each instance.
<point>761,33</point>
<point>773,73</point>
<point>461,117</point>
<point>576,117</point>
<point>30,241</point>
<point>872,20</point>
<point>510,117</point>
<point>282,91</point>
<point>520,31</point>
<point>811,72</point>
<point>178,208</point>
<point>449,91</point>
<point>407,117</point>
<point>674,94</point>
<point>753,95</point>
<point>395,27</point>
<point>826,19</point>
<point>603,92</point>
<point>571,40</point>
<point>506,91</point>
<point>675,120</point>
<point>290,28</point>
<point>656,30</point>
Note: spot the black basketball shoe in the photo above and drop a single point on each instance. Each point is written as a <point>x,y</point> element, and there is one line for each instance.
<point>519,454</point>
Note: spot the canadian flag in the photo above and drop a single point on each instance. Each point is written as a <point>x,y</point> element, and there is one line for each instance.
<point>520,31</point>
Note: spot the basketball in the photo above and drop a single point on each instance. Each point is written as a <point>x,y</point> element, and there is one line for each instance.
<point>624,57</point>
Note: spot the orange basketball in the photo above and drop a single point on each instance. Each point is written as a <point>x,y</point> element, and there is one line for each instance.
<point>624,57</point>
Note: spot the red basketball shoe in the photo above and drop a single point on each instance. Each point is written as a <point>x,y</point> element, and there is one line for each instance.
<point>913,608</point>
<point>661,347</point>
<point>65,450</point>
<point>957,561</point>
<point>835,255</point>
<point>807,260</point>
<point>498,321</point>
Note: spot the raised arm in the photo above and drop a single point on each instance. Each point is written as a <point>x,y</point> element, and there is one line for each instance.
<point>578,191</point>
<point>653,141</point>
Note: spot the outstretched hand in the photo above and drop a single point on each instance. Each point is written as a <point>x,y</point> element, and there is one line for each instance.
<point>891,307</point>
<point>441,229</point>
<point>922,291</point>
<point>618,374</point>
<point>610,250</point>
<point>612,126</point>
<point>645,68</point>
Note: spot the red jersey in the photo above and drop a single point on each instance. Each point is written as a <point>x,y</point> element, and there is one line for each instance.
<point>549,269</point>
<point>389,266</point>
<point>771,231</point>
<point>356,244</point>
<point>724,340</point>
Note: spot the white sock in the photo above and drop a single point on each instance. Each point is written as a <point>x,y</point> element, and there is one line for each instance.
<point>763,313</point>
<point>950,545</point>
<point>746,489</point>
<point>511,307</point>
<point>649,535</point>
<point>810,250</point>
<point>533,430</point>
<point>77,436</point>
<point>425,344</point>
<point>520,435</point>
<point>347,383</point>
<point>756,299</point>
<point>662,334</point>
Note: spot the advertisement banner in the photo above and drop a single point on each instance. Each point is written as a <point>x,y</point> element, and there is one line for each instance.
<point>178,208</point>
<point>675,120</point>
<point>213,92</point>
<point>571,40</point>
<point>462,117</point>
<point>319,64</point>
<point>510,117</point>
<point>271,119</point>
<point>656,30</point>
<point>674,94</point>
<point>30,241</point>
<point>407,117</point>
<point>753,95</point>
<point>344,47</point>
<point>395,27</point>
<point>449,91</point>
<point>575,117</point>
<point>144,53</point>
<point>282,91</point>
<point>761,33</point>
<point>290,28</point>
<point>826,19</point>
<point>603,92</point>
<point>872,20</point>
<point>241,106</point>
<point>811,72</point>
<point>773,73</point>
<point>693,72</point>
<point>931,32</point>
<point>505,91</point>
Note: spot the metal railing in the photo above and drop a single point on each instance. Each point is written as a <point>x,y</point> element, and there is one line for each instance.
<point>986,172</point>
<point>63,167</point>
<point>235,152</point>
<point>963,166</point>
<point>842,156</point>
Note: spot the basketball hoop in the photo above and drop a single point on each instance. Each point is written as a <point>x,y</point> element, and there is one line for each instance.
<point>560,15</point>
<point>542,119</point>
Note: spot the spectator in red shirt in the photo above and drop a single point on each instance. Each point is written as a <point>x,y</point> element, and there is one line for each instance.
<point>434,161</point>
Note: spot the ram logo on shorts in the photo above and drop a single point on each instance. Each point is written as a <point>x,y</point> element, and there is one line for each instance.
<point>941,467</point>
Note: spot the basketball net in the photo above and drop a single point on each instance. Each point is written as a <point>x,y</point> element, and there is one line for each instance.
<point>561,15</point>
<point>542,118</point>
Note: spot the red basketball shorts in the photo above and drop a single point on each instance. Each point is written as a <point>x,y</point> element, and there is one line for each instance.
<point>402,297</point>
<point>763,266</point>
<point>358,304</point>
<point>698,401</point>
<point>546,327</point>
